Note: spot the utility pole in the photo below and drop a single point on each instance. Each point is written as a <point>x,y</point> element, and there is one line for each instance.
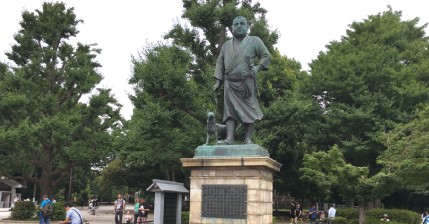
<point>70,183</point>
<point>34,193</point>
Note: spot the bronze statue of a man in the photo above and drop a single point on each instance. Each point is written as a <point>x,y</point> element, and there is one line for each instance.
<point>235,68</point>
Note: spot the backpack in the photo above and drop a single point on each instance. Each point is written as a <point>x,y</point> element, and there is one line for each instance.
<point>47,210</point>
<point>119,204</point>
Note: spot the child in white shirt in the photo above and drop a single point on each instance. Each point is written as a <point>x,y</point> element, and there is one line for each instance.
<point>128,217</point>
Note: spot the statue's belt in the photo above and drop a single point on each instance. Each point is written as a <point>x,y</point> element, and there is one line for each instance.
<point>241,87</point>
<point>246,91</point>
<point>238,78</point>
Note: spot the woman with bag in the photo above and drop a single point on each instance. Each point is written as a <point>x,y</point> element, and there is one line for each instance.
<point>143,212</point>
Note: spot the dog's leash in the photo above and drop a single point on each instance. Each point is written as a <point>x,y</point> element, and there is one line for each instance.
<point>215,98</point>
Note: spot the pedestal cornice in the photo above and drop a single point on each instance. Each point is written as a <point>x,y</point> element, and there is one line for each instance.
<point>266,162</point>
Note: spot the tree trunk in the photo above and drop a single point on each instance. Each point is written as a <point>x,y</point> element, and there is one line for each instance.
<point>350,203</point>
<point>361,208</point>
<point>46,181</point>
<point>168,174</point>
<point>45,184</point>
<point>66,194</point>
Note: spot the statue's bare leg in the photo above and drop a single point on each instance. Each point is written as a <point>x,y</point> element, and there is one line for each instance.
<point>248,129</point>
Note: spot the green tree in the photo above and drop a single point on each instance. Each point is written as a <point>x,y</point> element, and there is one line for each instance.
<point>292,121</point>
<point>407,153</point>
<point>327,172</point>
<point>173,84</point>
<point>166,124</point>
<point>289,130</point>
<point>45,130</point>
<point>372,79</point>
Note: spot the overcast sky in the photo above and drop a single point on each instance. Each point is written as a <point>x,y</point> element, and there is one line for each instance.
<point>123,28</point>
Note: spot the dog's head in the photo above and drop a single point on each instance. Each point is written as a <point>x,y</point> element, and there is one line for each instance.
<point>210,115</point>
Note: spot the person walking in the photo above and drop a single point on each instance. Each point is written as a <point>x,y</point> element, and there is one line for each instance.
<point>118,209</point>
<point>73,215</point>
<point>43,219</point>
<point>331,214</point>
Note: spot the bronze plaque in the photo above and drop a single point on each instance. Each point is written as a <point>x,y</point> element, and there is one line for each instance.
<point>224,201</point>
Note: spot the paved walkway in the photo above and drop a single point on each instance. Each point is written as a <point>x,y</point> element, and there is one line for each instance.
<point>103,215</point>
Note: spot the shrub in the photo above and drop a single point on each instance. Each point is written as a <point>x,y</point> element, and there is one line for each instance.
<point>395,215</point>
<point>341,220</point>
<point>348,213</point>
<point>378,221</point>
<point>373,216</point>
<point>59,212</point>
<point>23,210</point>
<point>185,217</point>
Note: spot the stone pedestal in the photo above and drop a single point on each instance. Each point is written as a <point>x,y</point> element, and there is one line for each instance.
<point>252,173</point>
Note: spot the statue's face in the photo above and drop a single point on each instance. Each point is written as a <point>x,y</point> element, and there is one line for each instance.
<point>239,27</point>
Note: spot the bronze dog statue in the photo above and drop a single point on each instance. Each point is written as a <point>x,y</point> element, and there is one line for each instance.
<point>214,128</point>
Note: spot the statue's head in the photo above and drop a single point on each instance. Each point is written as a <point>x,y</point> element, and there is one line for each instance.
<point>240,27</point>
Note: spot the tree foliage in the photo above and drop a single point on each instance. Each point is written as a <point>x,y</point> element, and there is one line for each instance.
<point>371,80</point>
<point>173,84</point>
<point>44,128</point>
<point>325,171</point>
<point>328,172</point>
<point>407,153</point>
<point>166,123</point>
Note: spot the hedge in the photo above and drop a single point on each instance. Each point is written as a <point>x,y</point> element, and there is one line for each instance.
<point>373,216</point>
<point>23,210</point>
<point>59,212</point>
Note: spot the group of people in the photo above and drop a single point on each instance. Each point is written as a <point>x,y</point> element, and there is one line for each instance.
<point>73,215</point>
<point>140,212</point>
<point>93,203</point>
<point>314,215</point>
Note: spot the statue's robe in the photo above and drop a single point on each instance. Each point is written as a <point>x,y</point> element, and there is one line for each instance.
<point>233,67</point>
